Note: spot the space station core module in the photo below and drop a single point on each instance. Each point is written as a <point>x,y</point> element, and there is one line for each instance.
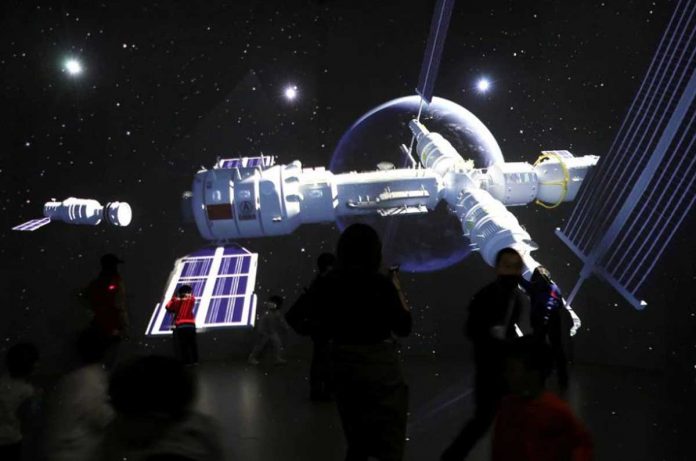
<point>253,197</point>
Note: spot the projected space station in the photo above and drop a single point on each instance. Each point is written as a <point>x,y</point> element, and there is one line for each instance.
<point>231,202</point>
<point>252,197</point>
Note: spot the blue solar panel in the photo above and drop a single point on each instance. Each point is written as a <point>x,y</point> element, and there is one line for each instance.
<point>433,50</point>
<point>638,195</point>
<point>265,161</point>
<point>32,225</point>
<point>222,279</point>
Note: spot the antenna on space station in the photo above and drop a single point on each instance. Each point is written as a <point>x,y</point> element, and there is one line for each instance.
<point>431,64</point>
<point>649,174</point>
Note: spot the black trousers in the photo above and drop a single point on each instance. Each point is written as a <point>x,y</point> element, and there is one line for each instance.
<point>320,369</point>
<point>185,344</point>
<point>11,452</point>
<point>372,401</point>
<point>489,388</point>
<point>558,340</point>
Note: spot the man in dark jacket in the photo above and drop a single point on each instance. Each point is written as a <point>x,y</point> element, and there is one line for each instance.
<point>300,319</point>
<point>495,313</point>
<point>551,319</point>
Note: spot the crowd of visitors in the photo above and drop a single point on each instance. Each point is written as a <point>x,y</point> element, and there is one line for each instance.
<point>142,409</point>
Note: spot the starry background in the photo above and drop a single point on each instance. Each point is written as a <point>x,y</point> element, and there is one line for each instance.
<point>169,86</point>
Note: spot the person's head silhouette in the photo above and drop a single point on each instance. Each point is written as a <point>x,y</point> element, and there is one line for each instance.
<point>359,247</point>
<point>109,263</point>
<point>152,386</point>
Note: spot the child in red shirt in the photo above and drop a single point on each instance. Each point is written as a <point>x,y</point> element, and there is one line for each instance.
<point>532,423</point>
<point>184,333</point>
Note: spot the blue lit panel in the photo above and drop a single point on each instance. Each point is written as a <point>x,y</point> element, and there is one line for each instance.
<point>222,279</point>
<point>637,196</point>
<point>434,48</point>
<point>32,225</point>
<point>262,162</point>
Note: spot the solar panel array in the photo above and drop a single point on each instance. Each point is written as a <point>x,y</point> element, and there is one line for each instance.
<point>434,48</point>
<point>263,162</point>
<point>32,225</point>
<point>636,198</point>
<point>223,281</point>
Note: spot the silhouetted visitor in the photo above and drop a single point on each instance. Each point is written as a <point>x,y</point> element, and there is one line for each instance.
<point>359,309</point>
<point>16,393</point>
<point>269,329</point>
<point>106,299</point>
<point>184,322</point>
<point>300,319</point>
<point>532,423</point>
<point>153,398</point>
<point>494,315</point>
<point>550,319</point>
<point>79,408</point>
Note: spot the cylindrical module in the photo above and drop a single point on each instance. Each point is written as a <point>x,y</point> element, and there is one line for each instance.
<point>490,227</point>
<point>436,153</point>
<point>88,212</point>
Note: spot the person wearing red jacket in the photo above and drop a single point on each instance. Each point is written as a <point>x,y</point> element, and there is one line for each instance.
<point>532,423</point>
<point>184,323</point>
<point>105,299</point>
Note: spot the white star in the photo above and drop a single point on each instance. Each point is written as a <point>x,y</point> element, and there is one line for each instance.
<point>290,92</point>
<point>483,85</point>
<point>73,66</point>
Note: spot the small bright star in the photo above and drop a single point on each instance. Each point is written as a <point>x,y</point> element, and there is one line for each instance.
<point>290,92</point>
<point>483,85</point>
<point>73,66</point>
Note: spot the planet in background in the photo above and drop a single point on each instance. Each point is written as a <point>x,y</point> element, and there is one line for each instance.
<point>418,242</point>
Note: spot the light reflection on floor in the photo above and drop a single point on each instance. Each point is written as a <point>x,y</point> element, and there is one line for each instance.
<point>266,414</point>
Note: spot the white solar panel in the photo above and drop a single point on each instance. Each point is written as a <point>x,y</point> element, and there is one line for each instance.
<point>222,279</point>
<point>640,192</point>
<point>32,225</point>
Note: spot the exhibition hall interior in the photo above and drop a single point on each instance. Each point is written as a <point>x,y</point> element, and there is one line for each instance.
<point>348,230</point>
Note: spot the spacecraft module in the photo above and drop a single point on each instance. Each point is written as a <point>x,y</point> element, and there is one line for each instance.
<point>234,200</point>
<point>81,211</point>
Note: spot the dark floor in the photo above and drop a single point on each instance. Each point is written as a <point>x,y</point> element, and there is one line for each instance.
<point>266,415</point>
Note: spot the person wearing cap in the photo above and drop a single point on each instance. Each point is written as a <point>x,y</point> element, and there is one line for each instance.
<point>106,301</point>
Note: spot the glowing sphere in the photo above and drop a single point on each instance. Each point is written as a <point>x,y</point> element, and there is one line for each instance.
<point>73,66</point>
<point>290,92</point>
<point>483,85</point>
<point>423,242</point>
